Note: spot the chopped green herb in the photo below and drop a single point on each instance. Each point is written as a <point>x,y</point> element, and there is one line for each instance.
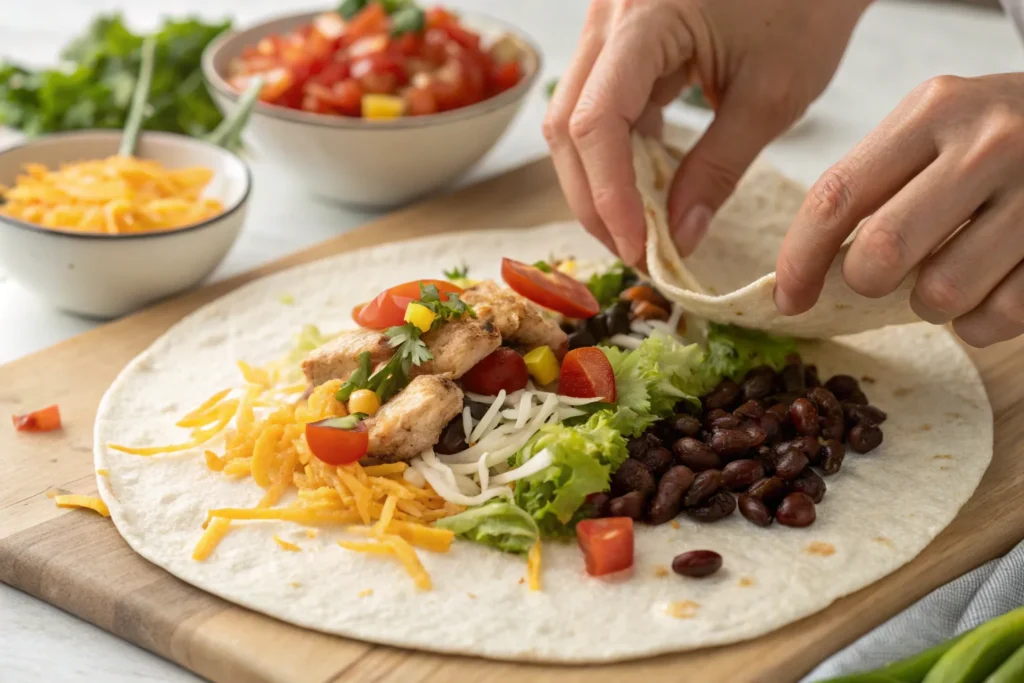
<point>607,286</point>
<point>392,6</point>
<point>347,422</point>
<point>694,96</point>
<point>544,266</point>
<point>408,19</point>
<point>350,8</point>
<point>457,273</point>
<point>452,308</point>
<point>359,379</point>
<point>94,86</point>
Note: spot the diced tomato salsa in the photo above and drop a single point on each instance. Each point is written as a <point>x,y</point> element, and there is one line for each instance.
<point>386,59</point>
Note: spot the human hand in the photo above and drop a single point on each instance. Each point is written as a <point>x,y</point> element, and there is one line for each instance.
<point>761,62</point>
<point>951,153</point>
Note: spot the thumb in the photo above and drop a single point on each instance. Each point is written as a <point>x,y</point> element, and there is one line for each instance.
<point>709,172</point>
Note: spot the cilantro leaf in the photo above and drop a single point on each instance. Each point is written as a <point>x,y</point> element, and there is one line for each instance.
<point>607,286</point>
<point>543,266</point>
<point>358,379</point>
<point>457,273</point>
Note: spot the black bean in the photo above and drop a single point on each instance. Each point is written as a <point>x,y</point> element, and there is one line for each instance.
<point>864,438</point>
<point>686,424</point>
<point>581,338</point>
<point>843,386</point>
<point>633,476</point>
<point>751,410</point>
<point>756,435</point>
<point>832,454</point>
<point>599,503</point>
<point>770,490</point>
<point>717,507</point>
<point>618,317</point>
<point>715,414</point>
<point>754,510</point>
<point>453,438</point>
<point>669,497</point>
<point>804,416</point>
<point>632,505</point>
<point>858,397</point>
<point>811,378</point>
<point>567,326</point>
<point>790,464</point>
<point>725,396</point>
<point>796,509</point>
<point>730,442</point>
<point>642,444</point>
<point>704,485</point>
<point>477,410</point>
<point>785,398</point>
<point>808,445</point>
<point>697,563</point>
<point>695,454</point>
<point>740,474</point>
<point>863,414</point>
<point>766,456</point>
<point>830,413</point>
<point>771,426</point>
<point>598,327</point>
<point>759,383</point>
<point>724,422</point>
<point>810,483</point>
<point>793,378</point>
<point>779,410</point>
<point>657,460</point>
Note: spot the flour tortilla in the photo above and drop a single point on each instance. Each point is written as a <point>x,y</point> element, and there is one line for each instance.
<point>730,277</point>
<point>880,511</point>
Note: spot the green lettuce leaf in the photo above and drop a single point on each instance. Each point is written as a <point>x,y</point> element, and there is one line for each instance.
<point>732,351</point>
<point>583,458</point>
<point>497,523</point>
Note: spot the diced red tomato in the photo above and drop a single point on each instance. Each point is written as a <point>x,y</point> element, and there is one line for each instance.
<point>435,46</point>
<point>587,373</point>
<point>420,101</point>
<point>330,442</point>
<point>332,73</point>
<point>466,39</point>
<point>314,104</point>
<point>348,97</point>
<point>371,19</point>
<point>408,44</point>
<point>505,76</point>
<point>606,543</point>
<point>554,290</point>
<point>387,309</point>
<point>439,16</point>
<point>503,369</point>
<point>44,420</point>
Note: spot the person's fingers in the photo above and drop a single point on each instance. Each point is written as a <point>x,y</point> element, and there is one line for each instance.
<point>571,175</point>
<point>971,264</point>
<point>999,317</point>
<point>613,99</point>
<point>910,226</point>
<point>852,189</point>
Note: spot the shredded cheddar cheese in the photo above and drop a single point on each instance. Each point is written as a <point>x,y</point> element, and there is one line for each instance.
<point>79,501</point>
<point>533,566</point>
<point>116,195</point>
<point>286,545</point>
<point>257,432</point>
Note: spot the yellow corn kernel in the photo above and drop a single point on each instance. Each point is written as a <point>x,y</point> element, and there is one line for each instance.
<point>363,401</point>
<point>382,107</point>
<point>420,316</point>
<point>542,364</point>
<point>568,267</point>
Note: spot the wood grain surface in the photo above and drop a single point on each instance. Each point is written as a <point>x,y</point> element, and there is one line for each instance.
<point>76,560</point>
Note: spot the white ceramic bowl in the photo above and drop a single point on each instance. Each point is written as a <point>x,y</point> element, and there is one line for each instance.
<point>103,275</point>
<point>371,163</point>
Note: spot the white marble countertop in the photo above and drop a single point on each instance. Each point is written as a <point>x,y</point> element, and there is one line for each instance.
<point>896,46</point>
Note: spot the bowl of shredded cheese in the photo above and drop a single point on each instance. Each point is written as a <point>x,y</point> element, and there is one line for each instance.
<point>100,234</point>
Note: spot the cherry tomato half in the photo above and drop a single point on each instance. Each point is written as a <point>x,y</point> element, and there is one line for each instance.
<point>330,441</point>
<point>587,373</point>
<point>43,420</point>
<point>387,309</point>
<point>554,290</point>
<point>503,369</point>
<point>606,543</point>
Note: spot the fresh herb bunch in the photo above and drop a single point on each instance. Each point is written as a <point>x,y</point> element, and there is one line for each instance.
<point>409,346</point>
<point>93,88</point>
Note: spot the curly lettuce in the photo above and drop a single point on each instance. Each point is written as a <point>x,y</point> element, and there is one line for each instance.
<point>500,524</point>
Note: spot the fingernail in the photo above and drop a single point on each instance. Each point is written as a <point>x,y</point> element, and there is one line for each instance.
<point>783,302</point>
<point>688,232</point>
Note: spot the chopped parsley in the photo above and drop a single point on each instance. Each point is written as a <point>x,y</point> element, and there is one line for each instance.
<point>543,266</point>
<point>409,346</point>
<point>607,286</point>
<point>457,273</point>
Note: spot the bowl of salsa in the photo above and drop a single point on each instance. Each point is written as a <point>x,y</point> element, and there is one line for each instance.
<point>376,102</point>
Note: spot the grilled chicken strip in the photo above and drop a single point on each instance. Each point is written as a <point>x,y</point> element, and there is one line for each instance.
<point>456,346</point>
<point>412,420</point>
<point>338,358</point>
<point>521,322</point>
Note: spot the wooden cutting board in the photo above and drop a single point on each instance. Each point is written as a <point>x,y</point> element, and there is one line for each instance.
<point>76,560</point>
